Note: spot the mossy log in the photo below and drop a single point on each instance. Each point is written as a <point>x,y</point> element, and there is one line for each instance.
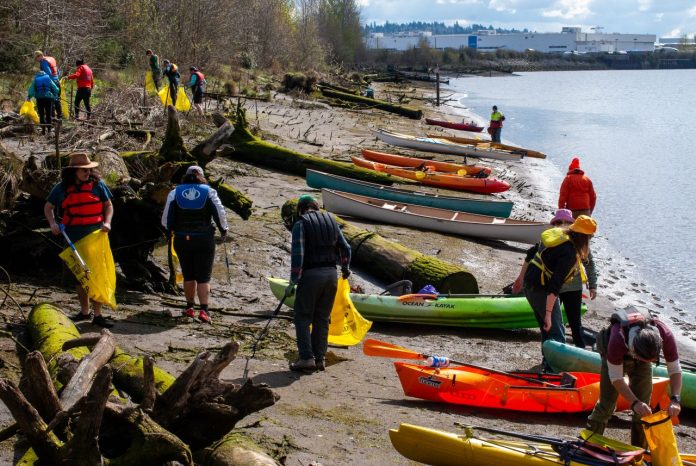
<point>233,199</point>
<point>49,329</point>
<point>333,87</point>
<point>390,262</point>
<point>402,110</point>
<point>251,149</point>
<point>234,449</point>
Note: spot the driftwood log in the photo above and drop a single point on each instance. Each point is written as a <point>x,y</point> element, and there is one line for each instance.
<point>248,148</point>
<point>194,411</point>
<point>390,262</point>
<point>402,110</point>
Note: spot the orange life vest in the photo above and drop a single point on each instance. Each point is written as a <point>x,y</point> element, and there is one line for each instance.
<point>54,66</point>
<point>81,206</point>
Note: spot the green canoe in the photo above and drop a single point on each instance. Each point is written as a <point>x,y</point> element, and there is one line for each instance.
<point>482,311</point>
<point>563,357</point>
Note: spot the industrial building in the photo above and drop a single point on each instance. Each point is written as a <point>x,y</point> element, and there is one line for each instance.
<point>570,39</point>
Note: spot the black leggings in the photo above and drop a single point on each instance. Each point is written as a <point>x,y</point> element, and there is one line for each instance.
<point>44,106</point>
<point>572,302</point>
<point>83,94</point>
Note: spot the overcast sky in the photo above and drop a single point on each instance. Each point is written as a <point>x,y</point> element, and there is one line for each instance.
<point>664,18</point>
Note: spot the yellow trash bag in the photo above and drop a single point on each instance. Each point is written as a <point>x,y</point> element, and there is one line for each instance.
<point>28,111</point>
<point>175,262</point>
<point>150,87</point>
<point>100,282</point>
<point>660,436</point>
<point>63,99</point>
<point>182,101</point>
<point>347,326</point>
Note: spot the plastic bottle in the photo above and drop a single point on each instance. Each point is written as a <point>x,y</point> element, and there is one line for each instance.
<point>437,361</point>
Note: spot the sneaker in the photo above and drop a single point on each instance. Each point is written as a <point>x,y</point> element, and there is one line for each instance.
<point>304,365</point>
<point>189,313</point>
<point>204,317</point>
<point>79,317</point>
<point>321,364</point>
<point>101,321</point>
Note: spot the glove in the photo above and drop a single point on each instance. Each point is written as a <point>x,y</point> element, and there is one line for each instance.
<point>345,273</point>
<point>290,290</point>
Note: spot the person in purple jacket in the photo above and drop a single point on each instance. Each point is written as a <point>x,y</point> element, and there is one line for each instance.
<point>629,346</point>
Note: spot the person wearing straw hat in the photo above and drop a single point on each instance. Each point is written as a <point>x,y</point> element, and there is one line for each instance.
<point>571,292</point>
<point>81,202</point>
<point>629,346</point>
<point>189,213</point>
<point>560,256</point>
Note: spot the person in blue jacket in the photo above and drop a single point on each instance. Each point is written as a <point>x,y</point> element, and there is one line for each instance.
<point>188,214</point>
<point>45,90</point>
<point>197,85</point>
<point>171,72</point>
<point>49,66</point>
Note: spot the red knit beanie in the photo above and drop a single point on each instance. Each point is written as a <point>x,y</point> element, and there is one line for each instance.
<point>574,164</point>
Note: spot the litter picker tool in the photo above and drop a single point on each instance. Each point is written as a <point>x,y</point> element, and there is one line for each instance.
<point>387,350</point>
<point>82,263</point>
<point>262,334</point>
<point>227,262</point>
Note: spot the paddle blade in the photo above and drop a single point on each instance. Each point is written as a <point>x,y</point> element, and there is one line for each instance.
<point>387,350</point>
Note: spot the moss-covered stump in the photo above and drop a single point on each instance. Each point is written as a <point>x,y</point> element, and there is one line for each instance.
<point>389,262</point>
<point>173,148</point>
<point>235,449</point>
<point>402,110</point>
<point>251,149</point>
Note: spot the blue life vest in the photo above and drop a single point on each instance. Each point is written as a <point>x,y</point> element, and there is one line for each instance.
<point>42,87</point>
<point>193,214</point>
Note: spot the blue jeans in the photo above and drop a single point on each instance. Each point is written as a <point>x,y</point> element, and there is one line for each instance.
<point>316,292</point>
<point>537,300</point>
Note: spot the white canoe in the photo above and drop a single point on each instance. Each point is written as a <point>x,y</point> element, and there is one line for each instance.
<point>432,219</point>
<point>443,146</point>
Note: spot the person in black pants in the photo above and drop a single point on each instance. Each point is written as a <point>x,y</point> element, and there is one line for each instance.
<point>171,71</point>
<point>571,292</point>
<point>317,246</point>
<point>45,90</point>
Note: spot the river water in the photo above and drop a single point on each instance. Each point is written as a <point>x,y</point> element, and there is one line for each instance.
<point>634,134</point>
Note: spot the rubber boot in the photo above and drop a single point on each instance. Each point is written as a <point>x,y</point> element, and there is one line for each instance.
<point>596,426</point>
<point>638,435</point>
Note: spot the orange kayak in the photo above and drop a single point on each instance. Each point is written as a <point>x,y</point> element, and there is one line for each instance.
<point>424,164</point>
<point>473,386</point>
<point>440,180</point>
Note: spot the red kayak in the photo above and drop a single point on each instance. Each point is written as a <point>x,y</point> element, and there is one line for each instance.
<point>452,125</point>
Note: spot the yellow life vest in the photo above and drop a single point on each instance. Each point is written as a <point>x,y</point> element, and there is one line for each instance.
<point>550,239</point>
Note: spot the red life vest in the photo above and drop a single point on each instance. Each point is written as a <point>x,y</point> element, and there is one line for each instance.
<point>82,207</point>
<point>54,66</point>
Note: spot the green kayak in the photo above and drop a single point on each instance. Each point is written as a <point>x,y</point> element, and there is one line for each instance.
<point>482,311</point>
<point>563,357</point>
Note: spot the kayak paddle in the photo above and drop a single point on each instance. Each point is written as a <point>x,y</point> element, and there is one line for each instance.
<point>383,349</point>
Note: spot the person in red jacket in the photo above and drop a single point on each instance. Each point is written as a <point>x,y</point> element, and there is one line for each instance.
<point>85,83</point>
<point>577,193</point>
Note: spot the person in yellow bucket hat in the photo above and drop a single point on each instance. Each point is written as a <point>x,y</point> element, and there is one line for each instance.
<point>558,259</point>
<point>571,292</point>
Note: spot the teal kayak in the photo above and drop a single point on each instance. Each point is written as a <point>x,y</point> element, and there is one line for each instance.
<point>563,357</point>
<point>492,208</point>
<point>481,311</point>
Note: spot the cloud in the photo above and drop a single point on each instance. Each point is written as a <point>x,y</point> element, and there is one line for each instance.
<point>568,9</point>
<point>503,6</point>
<point>644,5</point>
<point>692,11</point>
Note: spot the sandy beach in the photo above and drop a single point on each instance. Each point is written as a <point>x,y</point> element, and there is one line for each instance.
<point>342,416</point>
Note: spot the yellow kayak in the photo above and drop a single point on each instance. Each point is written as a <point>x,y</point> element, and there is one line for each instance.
<point>441,448</point>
